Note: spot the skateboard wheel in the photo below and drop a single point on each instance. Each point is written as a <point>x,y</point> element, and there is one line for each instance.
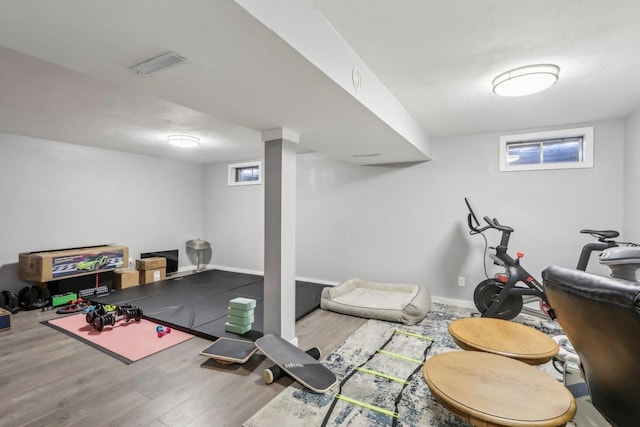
<point>274,373</point>
<point>268,374</point>
<point>314,352</point>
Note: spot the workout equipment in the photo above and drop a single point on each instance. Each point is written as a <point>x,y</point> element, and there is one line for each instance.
<point>9,301</point>
<point>73,306</point>
<point>296,363</point>
<point>92,292</point>
<point>228,350</point>
<point>624,262</point>
<point>509,339</point>
<point>96,310</point>
<point>62,299</point>
<point>240,315</point>
<point>502,296</point>
<point>411,365</point>
<point>623,258</point>
<point>162,331</point>
<point>274,373</point>
<point>206,295</point>
<point>566,354</point>
<point>103,315</point>
<point>497,391</point>
<point>32,297</point>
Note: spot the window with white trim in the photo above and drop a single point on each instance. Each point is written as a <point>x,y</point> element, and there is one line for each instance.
<point>558,149</point>
<point>247,173</point>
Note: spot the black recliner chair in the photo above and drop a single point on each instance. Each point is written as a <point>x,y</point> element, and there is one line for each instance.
<point>601,317</point>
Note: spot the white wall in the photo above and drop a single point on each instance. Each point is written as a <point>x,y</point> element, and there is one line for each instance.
<point>57,195</point>
<point>408,223</point>
<point>234,221</point>
<point>632,178</point>
<point>382,223</point>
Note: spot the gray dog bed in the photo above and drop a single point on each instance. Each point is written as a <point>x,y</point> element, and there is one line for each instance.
<point>394,302</point>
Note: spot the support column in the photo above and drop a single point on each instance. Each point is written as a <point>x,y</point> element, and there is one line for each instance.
<point>280,233</point>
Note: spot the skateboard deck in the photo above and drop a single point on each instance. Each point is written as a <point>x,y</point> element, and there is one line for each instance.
<point>296,363</point>
<point>274,373</point>
<point>229,350</point>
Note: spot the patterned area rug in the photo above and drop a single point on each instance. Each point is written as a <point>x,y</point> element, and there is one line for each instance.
<point>411,401</point>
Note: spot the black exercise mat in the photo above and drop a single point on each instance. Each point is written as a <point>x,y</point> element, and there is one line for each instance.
<point>197,303</point>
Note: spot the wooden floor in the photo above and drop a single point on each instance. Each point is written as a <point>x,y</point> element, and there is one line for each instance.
<point>49,379</point>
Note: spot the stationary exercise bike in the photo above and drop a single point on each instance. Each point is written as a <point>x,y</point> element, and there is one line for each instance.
<point>502,296</point>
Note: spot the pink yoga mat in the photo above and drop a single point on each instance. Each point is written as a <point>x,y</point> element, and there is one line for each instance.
<point>130,341</point>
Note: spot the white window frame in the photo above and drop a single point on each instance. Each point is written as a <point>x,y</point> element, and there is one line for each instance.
<point>587,158</point>
<point>235,166</point>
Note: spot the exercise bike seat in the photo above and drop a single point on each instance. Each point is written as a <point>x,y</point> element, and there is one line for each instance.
<point>602,234</point>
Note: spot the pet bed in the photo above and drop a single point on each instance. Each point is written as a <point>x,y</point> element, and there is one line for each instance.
<point>394,302</point>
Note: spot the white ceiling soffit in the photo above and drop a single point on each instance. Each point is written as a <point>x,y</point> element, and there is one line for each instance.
<point>240,78</point>
<point>301,25</point>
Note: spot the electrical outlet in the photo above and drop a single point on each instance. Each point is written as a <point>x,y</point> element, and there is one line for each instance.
<point>461,281</point>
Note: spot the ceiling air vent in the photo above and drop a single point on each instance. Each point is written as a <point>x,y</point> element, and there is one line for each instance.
<point>158,63</point>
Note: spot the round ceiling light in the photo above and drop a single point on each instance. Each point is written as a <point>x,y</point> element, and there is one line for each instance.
<point>183,141</point>
<point>526,80</point>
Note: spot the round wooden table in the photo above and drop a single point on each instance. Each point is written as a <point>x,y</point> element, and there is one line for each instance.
<point>505,338</point>
<point>486,389</point>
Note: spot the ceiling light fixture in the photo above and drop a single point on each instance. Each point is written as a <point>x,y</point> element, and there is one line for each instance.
<point>183,141</point>
<point>526,80</point>
<point>158,63</point>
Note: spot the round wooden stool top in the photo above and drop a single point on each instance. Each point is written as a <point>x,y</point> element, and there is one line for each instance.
<point>505,338</point>
<point>486,389</point>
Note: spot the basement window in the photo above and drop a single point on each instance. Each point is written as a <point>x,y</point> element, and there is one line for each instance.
<point>248,173</point>
<point>559,149</point>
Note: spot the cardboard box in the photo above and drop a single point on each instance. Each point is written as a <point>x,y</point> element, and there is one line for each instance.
<point>61,264</point>
<point>5,319</point>
<point>125,278</point>
<point>151,263</point>
<point>150,276</point>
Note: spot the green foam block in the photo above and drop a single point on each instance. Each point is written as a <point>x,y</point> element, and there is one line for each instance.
<point>242,303</point>
<point>240,321</point>
<point>239,313</point>
<point>236,329</point>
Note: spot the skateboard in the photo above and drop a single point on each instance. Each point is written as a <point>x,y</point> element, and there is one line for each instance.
<point>296,363</point>
<point>274,373</point>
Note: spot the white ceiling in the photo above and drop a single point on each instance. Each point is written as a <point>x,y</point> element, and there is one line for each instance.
<point>64,71</point>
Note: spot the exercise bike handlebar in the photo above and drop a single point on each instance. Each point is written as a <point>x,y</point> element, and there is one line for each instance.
<point>474,224</point>
<point>493,223</point>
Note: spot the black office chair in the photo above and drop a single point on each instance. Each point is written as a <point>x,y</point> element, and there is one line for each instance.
<point>601,317</point>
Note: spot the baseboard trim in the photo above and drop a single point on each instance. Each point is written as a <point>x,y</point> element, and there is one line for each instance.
<point>235,269</point>
<point>441,300</point>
